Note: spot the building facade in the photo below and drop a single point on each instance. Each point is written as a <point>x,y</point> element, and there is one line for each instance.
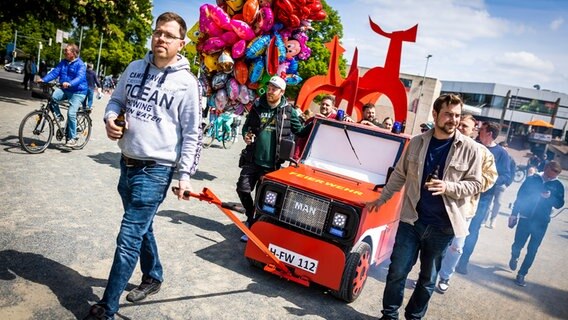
<point>522,106</point>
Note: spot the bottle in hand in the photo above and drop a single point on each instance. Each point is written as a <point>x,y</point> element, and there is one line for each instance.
<point>433,175</point>
<point>121,121</point>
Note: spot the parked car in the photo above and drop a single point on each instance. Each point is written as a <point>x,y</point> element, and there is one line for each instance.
<point>17,67</point>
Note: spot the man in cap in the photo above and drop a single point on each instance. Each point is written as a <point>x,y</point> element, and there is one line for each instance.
<point>426,126</point>
<point>270,123</point>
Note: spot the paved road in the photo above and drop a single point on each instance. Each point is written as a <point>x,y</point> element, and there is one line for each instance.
<point>60,213</point>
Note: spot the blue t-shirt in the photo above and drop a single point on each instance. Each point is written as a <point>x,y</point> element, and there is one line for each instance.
<point>431,209</point>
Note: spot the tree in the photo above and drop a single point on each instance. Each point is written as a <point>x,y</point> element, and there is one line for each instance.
<point>125,26</point>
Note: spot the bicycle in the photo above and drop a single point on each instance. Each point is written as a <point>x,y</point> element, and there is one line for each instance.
<point>37,128</point>
<point>222,127</point>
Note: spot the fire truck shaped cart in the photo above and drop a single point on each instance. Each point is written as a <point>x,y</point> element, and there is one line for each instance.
<point>312,216</point>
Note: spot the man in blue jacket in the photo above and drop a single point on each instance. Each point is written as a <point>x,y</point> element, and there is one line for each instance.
<point>72,76</point>
<point>533,206</point>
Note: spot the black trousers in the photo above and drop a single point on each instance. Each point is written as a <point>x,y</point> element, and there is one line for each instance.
<point>249,177</point>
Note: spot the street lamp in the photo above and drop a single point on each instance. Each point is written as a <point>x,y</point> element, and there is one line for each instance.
<point>420,93</point>
<point>511,117</point>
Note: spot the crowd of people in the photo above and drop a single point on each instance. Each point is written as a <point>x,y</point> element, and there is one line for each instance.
<point>440,218</point>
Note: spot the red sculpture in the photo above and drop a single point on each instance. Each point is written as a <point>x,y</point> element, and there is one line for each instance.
<point>366,89</point>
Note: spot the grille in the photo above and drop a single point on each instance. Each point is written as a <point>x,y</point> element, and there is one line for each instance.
<point>304,211</point>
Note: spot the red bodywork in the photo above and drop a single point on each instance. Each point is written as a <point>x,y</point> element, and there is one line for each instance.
<point>335,188</point>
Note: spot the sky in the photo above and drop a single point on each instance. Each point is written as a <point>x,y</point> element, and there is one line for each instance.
<point>513,42</point>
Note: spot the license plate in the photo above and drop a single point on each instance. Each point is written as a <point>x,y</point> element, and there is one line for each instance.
<point>293,258</point>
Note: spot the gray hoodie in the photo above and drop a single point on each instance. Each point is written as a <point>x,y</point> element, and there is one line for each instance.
<point>163,118</point>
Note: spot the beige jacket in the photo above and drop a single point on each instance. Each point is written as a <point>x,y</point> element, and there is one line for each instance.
<point>462,175</point>
<point>488,177</point>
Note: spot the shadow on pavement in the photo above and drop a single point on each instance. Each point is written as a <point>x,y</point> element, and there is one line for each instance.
<point>73,290</point>
<point>500,278</point>
<point>229,254</point>
<point>13,92</point>
<point>112,159</point>
<point>12,144</point>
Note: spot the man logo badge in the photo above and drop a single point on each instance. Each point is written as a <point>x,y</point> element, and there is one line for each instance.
<point>305,208</point>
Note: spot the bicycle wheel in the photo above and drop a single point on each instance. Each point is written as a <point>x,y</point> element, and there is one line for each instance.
<point>209,135</point>
<point>83,130</point>
<point>519,175</point>
<point>36,132</point>
<point>228,138</point>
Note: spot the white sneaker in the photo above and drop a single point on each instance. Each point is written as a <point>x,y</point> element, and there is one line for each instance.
<point>443,285</point>
<point>71,143</point>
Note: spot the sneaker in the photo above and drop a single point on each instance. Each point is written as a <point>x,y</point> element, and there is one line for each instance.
<point>443,285</point>
<point>71,143</point>
<point>520,281</point>
<point>513,263</point>
<point>244,238</point>
<point>148,286</point>
<point>96,312</point>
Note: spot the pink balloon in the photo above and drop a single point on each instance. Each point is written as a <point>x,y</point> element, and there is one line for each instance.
<point>220,17</point>
<point>242,29</point>
<point>213,44</point>
<point>230,38</point>
<point>220,99</point>
<point>238,49</point>
<point>206,24</point>
<point>267,19</point>
<point>232,89</point>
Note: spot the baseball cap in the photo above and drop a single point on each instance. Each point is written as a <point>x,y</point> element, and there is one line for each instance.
<point>278,82</point>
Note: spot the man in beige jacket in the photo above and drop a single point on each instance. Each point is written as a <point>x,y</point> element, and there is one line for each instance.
<point>489,176</point>
<point>433,212</point>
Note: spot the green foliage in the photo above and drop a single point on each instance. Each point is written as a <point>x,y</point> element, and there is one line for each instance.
<point>125,26</point>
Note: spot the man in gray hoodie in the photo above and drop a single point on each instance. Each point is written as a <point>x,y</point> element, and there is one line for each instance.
<point>160,102</point>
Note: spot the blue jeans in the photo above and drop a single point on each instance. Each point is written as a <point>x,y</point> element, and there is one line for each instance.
<point>431,243</point>
<point>89,101</point>
<point>452,257</point>
<point>75,101</point>
<point>142,190</point>
<point>475,225</point>
<point>525,229</point>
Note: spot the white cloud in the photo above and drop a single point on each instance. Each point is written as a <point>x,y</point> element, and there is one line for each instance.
<point>556,23</point>
<point>524,60</point>
<point>469,40</point>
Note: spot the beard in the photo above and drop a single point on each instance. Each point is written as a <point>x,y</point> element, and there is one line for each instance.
<point>448,127</point>
<point>272,98</point>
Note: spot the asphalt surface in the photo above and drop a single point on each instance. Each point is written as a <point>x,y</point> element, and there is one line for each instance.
<point>60,214</point>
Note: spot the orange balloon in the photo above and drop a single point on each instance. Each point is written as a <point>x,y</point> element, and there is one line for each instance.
<point>241,71</point>
<point>250,10</point>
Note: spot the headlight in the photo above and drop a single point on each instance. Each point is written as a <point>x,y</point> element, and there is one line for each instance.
<point>270,198</point>
<point>269,202</point>
<point>339,220</point>
<point>343,220</point>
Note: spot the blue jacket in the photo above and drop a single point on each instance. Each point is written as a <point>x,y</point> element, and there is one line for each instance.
<point>74,72</point>
<point>531,205</point>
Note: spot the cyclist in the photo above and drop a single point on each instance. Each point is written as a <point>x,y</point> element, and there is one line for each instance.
<point>72,76</point>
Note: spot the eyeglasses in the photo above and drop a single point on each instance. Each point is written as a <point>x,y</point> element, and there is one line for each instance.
<point>168,37</point>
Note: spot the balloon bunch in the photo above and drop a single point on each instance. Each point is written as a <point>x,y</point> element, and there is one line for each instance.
<point>242,43</point>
